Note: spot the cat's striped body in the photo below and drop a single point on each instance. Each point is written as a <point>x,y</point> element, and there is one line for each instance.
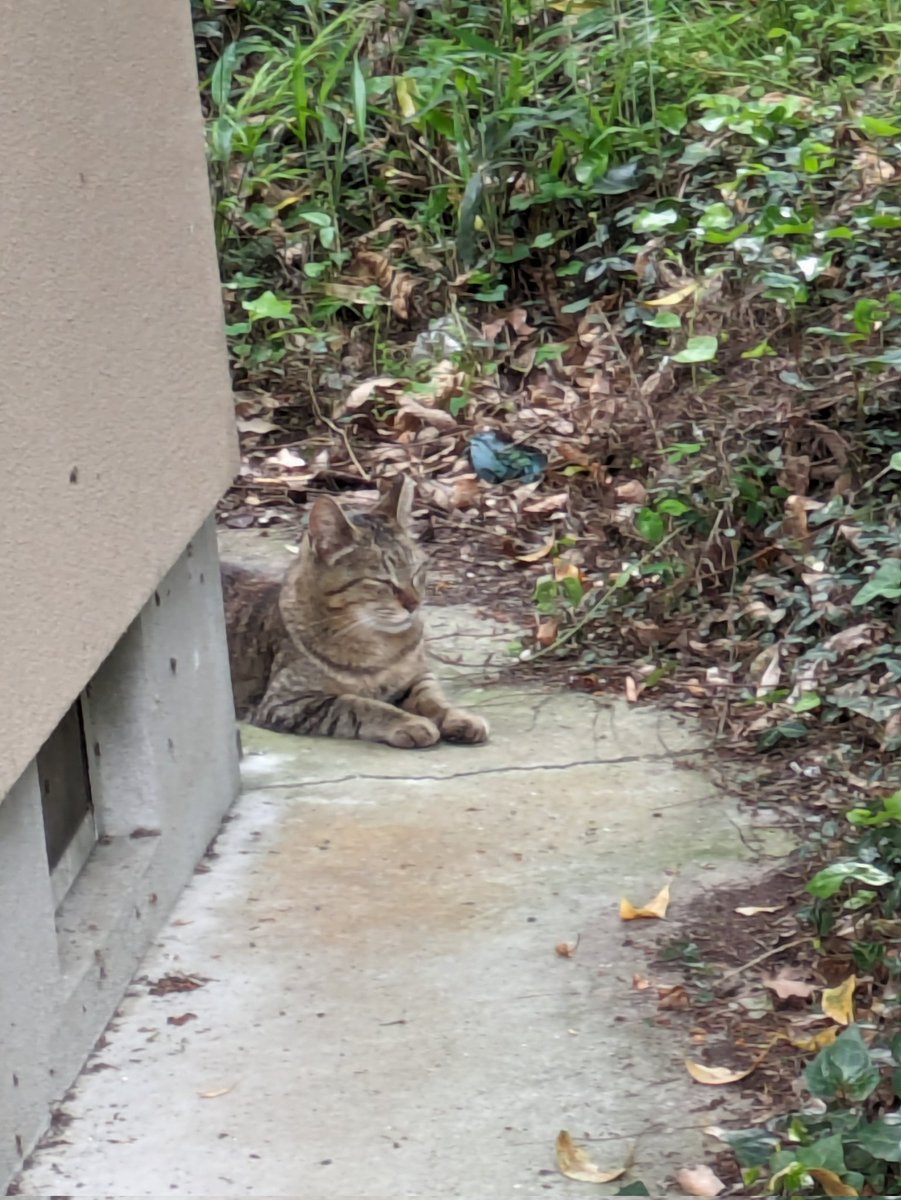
<point>338,648</point>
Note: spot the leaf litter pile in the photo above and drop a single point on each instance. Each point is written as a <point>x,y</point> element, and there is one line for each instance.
<point>647,386</point>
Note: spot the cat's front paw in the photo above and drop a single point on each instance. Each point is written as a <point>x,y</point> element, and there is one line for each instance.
<point>460,726</point>
<point>412,733</point>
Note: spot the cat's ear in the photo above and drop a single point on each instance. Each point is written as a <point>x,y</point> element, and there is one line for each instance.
<point>397,502</point>
<point>331,534</point>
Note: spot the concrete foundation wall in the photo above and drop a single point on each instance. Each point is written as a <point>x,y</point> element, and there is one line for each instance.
<point>116,414</point>
<point>164,769</point>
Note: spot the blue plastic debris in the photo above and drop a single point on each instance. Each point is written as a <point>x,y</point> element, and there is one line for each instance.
<point>496,459</point>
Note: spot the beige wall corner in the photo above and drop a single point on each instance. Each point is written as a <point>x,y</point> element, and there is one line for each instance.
<point>116,424</point>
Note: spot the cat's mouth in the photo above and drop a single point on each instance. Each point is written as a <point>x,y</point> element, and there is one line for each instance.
<point>395,623</point>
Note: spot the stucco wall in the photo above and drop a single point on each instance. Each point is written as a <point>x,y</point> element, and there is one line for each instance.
<point>116,430</point>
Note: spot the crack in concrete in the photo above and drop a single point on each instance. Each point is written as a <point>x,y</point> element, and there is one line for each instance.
<point>356,777</point>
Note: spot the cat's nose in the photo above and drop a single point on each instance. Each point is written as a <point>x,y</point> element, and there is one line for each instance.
<point>408,598</point>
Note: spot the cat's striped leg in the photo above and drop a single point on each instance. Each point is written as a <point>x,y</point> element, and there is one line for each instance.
<point>426,699</point>
<point>319,714</point>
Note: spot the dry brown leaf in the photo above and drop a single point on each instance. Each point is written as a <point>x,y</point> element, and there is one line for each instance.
<point>794,523</point>
<point>445,382</point>
<point>769,678</point>
<point>548,628</point>
<point>673,998</point>
<point>751,910</point>
<point>838,1002</point>
<point>874,171</point>
<point>566,949</point>
<point>548,504</point>
<point>632,491</point>
<point>699,1181</point>
<point>715,1076</point>
<point>787,988</point>
<point>366,390</point>
<point>519,321</point>
<point>716,1131</point>
<point>465,491</point>
<point>655,908</point>
<point>372,267</point>
<point>574,1163</point>
<point>286,457</point>
<point>851,638</point>
<point>891,730</point>
<point>658,383</point>
<point>255,425</point>
<point>640,983</point>
<point>437,418</point>
<point>830,1182</point>
<point>181,1020</point>
<point>492,330</point>
<point>402,288</point>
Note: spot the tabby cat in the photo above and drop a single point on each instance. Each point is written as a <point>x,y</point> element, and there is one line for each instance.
<point>337,647</point>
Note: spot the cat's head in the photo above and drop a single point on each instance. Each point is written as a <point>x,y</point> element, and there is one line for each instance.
<point>366,565</point>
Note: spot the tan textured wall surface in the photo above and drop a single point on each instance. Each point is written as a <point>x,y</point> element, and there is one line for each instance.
<point>116,427</point>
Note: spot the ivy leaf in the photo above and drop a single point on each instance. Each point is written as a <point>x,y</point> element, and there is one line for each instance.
<point>697,350</point>
<point>673,508</point>
<point>650,525</point>
<point>879,127</point>
<point>751,1147</point>
<point>790,730</point>
<point>885,584</point>
<point>717,216</point>
<point>653,222</point>
<point>828,1154</point>
<point>671,320</point>
<point>830,880</point>
<point>267,305</point>
<point>880,1138</point>
<point>845,1068</point>
<point>761,350</point>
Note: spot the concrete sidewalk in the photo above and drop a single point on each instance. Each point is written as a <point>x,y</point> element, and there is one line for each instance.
<point>382,1012</point>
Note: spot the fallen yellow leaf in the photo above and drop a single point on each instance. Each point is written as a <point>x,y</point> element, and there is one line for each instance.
<point>699,1181</point>
<point>217,1092</point>
<point>656,908</point>
<point>830,1182</point>
<point>714,1076</point>
<point>574,1163</point>
<point>838,1002</point>
<point>405,90</point>
<point>539,552</point>
<point>572,7</point>
<point>563,569</point>
<point>751,910</point>
<point>672,298</point>
<point>824,1038</point>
